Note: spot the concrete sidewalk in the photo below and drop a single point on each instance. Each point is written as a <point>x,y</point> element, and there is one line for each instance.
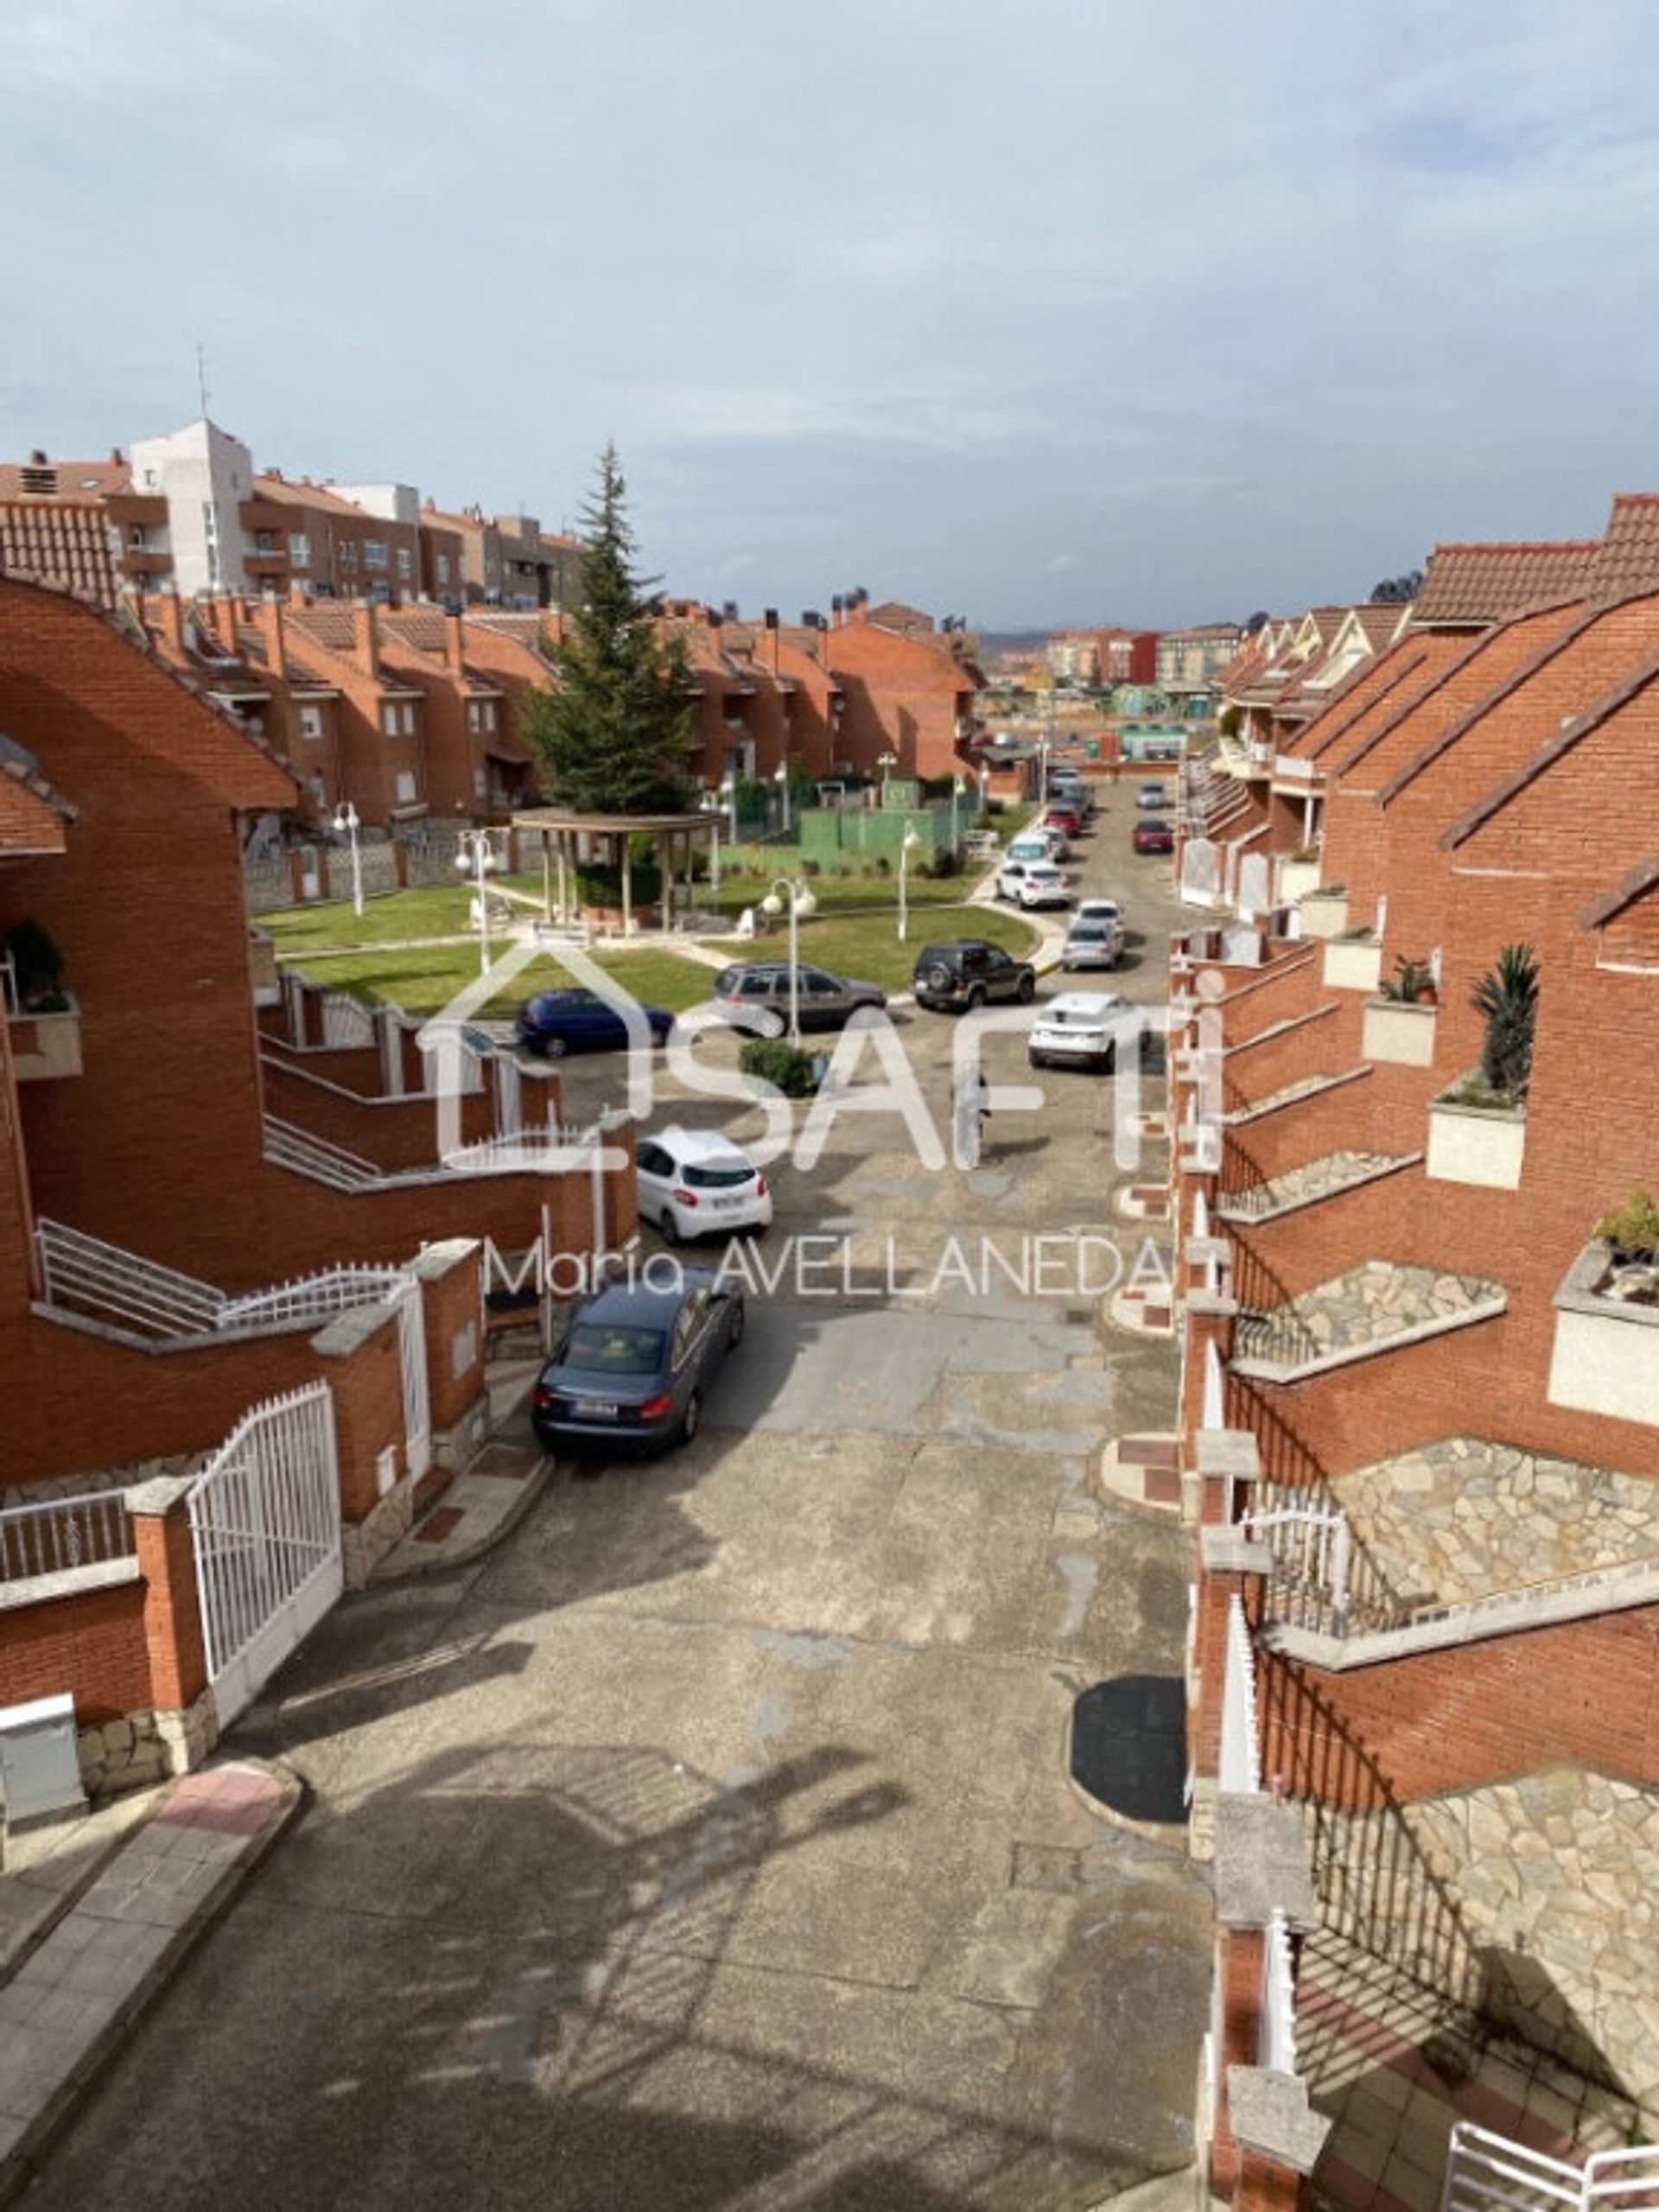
<point>98,1958</point>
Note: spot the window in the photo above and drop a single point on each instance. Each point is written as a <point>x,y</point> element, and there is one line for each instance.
<point>478,783</point>
<point>444,568</point>
<point>311,721</point>
<point>473,716</point>
<point>405,791</point>
<point>374,553</point>
<point>389,718</point>
<point>488,712</point>
<point>348,554</point>
<point>298,549</point>
<point>403,560</point>
<point>408,718</point>
<point>265,541</point>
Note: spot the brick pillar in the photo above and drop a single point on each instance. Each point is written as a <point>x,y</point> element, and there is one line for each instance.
<point>359,1351</point>
<point>1268,2184</point>
<point>451,1275</point>
<point>167,1561</point>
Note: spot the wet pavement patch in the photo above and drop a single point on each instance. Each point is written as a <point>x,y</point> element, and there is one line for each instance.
<point>1128,1746</point>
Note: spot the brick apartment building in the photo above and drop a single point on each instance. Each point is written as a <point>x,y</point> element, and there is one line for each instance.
<point>1109,655</point>
<point>1190,664</point>
<point>1419,1398</point>
<point>213,1196</point>
<point>505,561</point>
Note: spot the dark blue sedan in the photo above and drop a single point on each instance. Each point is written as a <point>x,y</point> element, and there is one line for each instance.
<point>636,1361</point>
<point>578,1021</point>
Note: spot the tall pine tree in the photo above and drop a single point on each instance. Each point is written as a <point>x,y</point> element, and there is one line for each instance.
<point>613,727</point>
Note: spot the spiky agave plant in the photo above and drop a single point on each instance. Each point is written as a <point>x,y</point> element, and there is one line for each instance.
<point>1507,999</point>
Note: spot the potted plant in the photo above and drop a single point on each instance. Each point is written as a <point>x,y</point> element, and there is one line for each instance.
<point>1507,997</point>
<point>37,968</point>
<point>1631,1231</point>
<point>1412,984</point>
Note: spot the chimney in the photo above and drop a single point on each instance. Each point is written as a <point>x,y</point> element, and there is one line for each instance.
<point>366,635</point>
<point>772,626</point>
<point>453,643</point>
<point>275,641</point>
<point>170,616</point>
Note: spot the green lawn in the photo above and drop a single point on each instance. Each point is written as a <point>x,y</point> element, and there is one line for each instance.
<point>423,978</point>
<point>399,914</point>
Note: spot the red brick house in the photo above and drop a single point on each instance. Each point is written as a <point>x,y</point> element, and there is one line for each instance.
<point>1421,1429</point>
<point>211,1195</point>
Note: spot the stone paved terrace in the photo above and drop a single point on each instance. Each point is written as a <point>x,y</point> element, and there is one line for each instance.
<point>1315,1178</point>
<point>1360,1310</point>
<point>1465,1516</point>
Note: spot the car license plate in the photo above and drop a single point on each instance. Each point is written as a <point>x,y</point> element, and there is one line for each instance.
<point>725,1206</point>
<point>596,1408</point>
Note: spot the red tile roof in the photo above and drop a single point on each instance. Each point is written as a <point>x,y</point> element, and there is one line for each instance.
<point>1485,583</point>
<point>72,479</point>
<point>1629,558</point>
<point>66,544</point>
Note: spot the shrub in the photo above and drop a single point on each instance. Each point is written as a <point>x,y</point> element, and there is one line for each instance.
<point>1413,980</point>
<point>944,862</point>
<point>1633,1227</point>
<point>775,1060</point>
<point>38,966</point>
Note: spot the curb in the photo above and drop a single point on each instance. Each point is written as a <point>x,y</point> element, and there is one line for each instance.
<point>467,1556</point>
<point>18,2168</point>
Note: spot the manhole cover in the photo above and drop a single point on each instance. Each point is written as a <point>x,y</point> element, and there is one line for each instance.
<point>1128,1746</point>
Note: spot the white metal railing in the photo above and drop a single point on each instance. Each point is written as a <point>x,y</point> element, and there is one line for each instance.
<point>62,1534</point>
<point>1214,1404</point>
<point>1310,1547</point>
<point>297,1148</point>
<point>1240,1772</point>
<point>346,1020</point>
<point>1490,2173</point>
<point>85,1274</point>
<point>312,1298</point>
<point>1276,2044</point>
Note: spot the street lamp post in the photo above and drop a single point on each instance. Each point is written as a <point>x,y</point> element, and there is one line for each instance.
<point>476,858</point>
<point>781,779</point>
<point>801,902</point>
<point>728,795</point>
<point>346,819</point>
<point>957,787</point>
<point>909,845</point>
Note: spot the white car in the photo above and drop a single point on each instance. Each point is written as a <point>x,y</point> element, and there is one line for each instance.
<point>1084,1029</point>
<point>1093,941</point>
<point>1152,797</point>
<point>693,1183</point>
<point>1103,910</point>
<point>1033,883</point>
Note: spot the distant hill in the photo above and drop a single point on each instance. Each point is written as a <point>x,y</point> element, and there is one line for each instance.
<point>1012,641</point>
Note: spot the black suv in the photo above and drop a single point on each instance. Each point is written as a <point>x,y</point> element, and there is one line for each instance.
<point>954,978</point>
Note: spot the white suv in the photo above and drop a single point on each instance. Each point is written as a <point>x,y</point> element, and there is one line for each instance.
<point>1084,1029</point>
<point>1033,883</point>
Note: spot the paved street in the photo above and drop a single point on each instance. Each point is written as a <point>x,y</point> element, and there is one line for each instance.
<point>710,1843</point>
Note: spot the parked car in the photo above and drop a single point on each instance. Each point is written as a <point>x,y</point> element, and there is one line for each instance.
<point>577,1021</point>
<point>1066,819</point>
<point>696,1183</point>
<point>1153,837</point>
<point>1032,883</point>
<point>1036,844</point>
<point>1084,1029</point>
<point>635,1362</point>
<point>1151,796</point>
<point>1102,910</point>
<point>825,1000</point>
<point>954,978</point>
<point>1092,942</point>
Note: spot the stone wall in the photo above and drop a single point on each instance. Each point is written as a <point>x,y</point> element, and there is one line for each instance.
<point>1535,1903</point>
<point>143,1747</point>
<point>1465,1516</point>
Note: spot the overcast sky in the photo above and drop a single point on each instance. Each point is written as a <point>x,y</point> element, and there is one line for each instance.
<point>1072,310</point>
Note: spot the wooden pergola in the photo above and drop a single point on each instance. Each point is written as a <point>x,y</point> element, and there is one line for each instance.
<point>564,833</point>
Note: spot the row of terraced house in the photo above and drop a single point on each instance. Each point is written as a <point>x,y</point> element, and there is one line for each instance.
<point>1420,1411</point>
<point>360,632</point>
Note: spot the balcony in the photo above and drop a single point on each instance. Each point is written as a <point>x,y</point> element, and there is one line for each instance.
<point>1400,1032</point>
<point>1605,1358</point>
<point>1476,1139</point>
<point>46,1047</point>
<point>1353,960</point>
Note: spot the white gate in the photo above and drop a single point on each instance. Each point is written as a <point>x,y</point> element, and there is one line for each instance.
<point>1490,2173</point>
<point>264,1520</point>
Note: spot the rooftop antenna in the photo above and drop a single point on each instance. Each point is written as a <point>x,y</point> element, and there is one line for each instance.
<point>202,375</point>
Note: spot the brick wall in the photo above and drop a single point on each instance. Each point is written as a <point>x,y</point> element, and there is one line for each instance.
<point>92,1642</point>
<point>1584,1691</point>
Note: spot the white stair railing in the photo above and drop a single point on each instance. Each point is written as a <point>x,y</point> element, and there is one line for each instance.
<point>62,1534</point>
<point>84,1274</point>
<point>1310,1547</point>
<point>1277,2047</point>
<point>297,1149</point>
<point>1490,2173</point>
